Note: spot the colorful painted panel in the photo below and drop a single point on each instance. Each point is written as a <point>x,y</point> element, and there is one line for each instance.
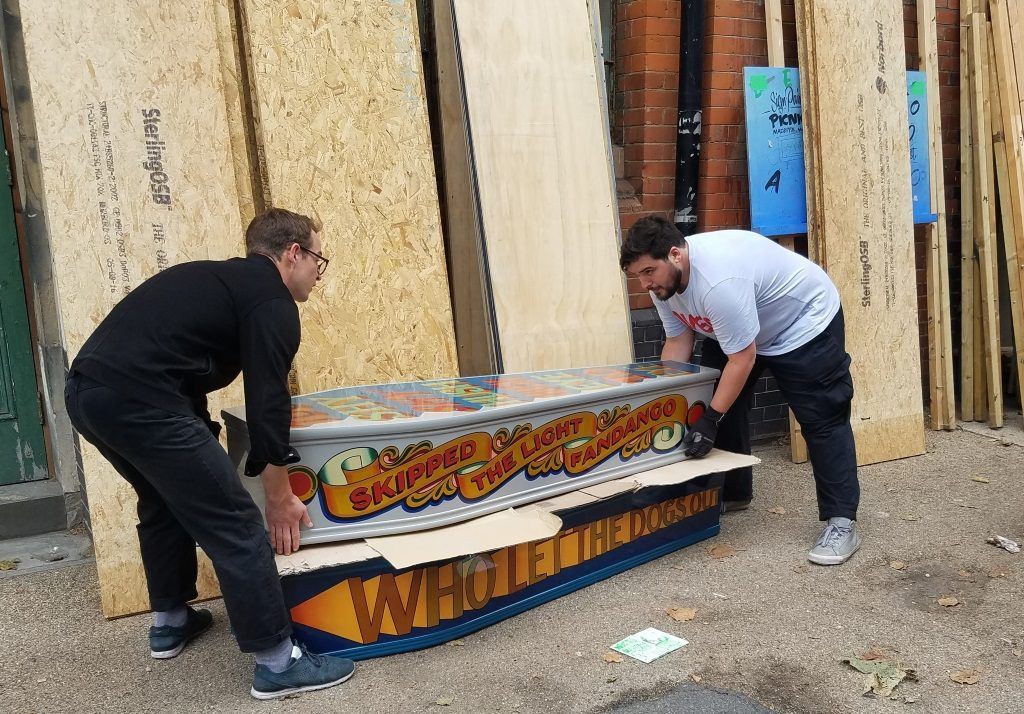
<point>412,456</point>
<point>409,400</point>
<point>368,610</point>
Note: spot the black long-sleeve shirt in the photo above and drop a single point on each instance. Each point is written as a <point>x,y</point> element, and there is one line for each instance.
<point>189,331</point>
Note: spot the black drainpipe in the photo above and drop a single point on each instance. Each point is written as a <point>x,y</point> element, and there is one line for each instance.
<point>691,62</point>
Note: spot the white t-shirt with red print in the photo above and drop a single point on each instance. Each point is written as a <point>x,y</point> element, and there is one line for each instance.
<point>746,288</point>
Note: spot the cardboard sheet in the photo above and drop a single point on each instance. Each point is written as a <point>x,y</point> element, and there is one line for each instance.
<point>308,559</point>
<point>714,462</point>
<point>533,521</point>
<point>497,530</point>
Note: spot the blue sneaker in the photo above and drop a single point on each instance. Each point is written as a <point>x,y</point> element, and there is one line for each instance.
<point>166,642</point>
<point>305,673</point>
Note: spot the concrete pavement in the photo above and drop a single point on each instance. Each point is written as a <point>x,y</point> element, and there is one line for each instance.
<point>769,625</point>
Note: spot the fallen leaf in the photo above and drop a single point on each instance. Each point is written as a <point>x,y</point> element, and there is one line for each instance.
<point>800,568</point>
<point>910,700</point>
<point>8,565</point>
<point>965,676</point>
<point>910,517</point>
<point>611,679</point>
<point>872,655</point>
<point>778,510</point>
<point>455,643</point>
<point>883,675</point>
<point>696,678</point>
<point>612,657</point>
<point>948,601</point>
<point>898,565</point>
<point>722,550</point>
<point>444,701</point>
<point>681,614</point>
<point>981,479</point>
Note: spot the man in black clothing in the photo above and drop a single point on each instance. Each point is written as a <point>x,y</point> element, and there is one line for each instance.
<point>138,392</point>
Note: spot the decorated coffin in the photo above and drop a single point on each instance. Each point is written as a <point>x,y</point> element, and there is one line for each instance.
<point>367,608</point>
<point>395,458</point>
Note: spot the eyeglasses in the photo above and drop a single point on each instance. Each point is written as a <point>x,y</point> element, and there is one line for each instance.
<point>321,262</point>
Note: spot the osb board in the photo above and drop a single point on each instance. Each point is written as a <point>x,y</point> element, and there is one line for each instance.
<point>866,215</point>
<point>471,299</point>
<point>236,100</point>
<point>341,122</point>
<point>97,72</point>
<point>542,162</point>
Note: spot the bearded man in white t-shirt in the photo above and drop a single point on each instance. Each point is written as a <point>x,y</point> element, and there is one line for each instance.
<point>758,306</point>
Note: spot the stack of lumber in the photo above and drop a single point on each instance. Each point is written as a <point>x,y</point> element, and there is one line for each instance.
<point>859,214</point>
<point>992,200</point>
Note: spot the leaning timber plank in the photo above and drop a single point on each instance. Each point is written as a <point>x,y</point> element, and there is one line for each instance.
<point>1008,133</point>
<point>136,172</point>
<point>473,310</point>
<point>777,58</point>
<point>341,125</point>
<point>542,161</point>
<point>967,189</point>
<point>868,232</point>
<point>984,209</point>
<point>981,374</point>
<point>773,28</point>
<point>940,338</point>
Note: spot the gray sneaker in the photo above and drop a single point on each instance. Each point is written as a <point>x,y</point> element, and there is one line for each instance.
<point>837,542</point>
<point>306,672</point>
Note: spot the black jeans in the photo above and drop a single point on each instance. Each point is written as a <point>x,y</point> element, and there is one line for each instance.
<point>815,379</point>
<point>188,493</point>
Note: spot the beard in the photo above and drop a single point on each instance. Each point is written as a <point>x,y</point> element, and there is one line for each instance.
<point>675,285</point>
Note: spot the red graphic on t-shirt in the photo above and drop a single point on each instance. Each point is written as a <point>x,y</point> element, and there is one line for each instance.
<point>695,322</point>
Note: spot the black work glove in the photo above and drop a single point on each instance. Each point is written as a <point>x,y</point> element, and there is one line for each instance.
<point>699,440</point>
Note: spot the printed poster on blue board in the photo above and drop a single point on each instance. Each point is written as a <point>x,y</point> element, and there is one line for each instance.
<point>775,150</point>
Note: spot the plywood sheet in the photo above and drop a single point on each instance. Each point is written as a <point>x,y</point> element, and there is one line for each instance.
<point>859,57</point>
<point>473,309</point>
<point>341,127</point>
<point>542,161</point>
<point>101,72</point>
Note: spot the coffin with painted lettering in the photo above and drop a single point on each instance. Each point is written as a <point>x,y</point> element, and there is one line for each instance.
<point>396,458</point>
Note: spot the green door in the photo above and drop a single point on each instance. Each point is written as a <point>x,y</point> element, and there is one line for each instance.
<point>22,456</point>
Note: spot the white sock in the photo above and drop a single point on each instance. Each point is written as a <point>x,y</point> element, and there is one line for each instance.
<point>175,617</point>
<point>278,657</point>
<point>840,521</point>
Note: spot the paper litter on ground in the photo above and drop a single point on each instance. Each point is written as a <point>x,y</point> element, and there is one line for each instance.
<point>648,645</point>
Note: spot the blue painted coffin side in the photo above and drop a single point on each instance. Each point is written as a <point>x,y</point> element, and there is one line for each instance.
<point>703,525</point>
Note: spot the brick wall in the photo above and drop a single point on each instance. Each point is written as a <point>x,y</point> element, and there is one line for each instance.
<point>647,84</point>
<point>734,38</point>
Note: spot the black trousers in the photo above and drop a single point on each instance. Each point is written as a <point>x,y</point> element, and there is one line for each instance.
<point>188,493</point>
<point>815,379</point>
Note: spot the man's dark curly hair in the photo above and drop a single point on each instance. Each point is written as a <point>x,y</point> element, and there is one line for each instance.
<point>651,235</point>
